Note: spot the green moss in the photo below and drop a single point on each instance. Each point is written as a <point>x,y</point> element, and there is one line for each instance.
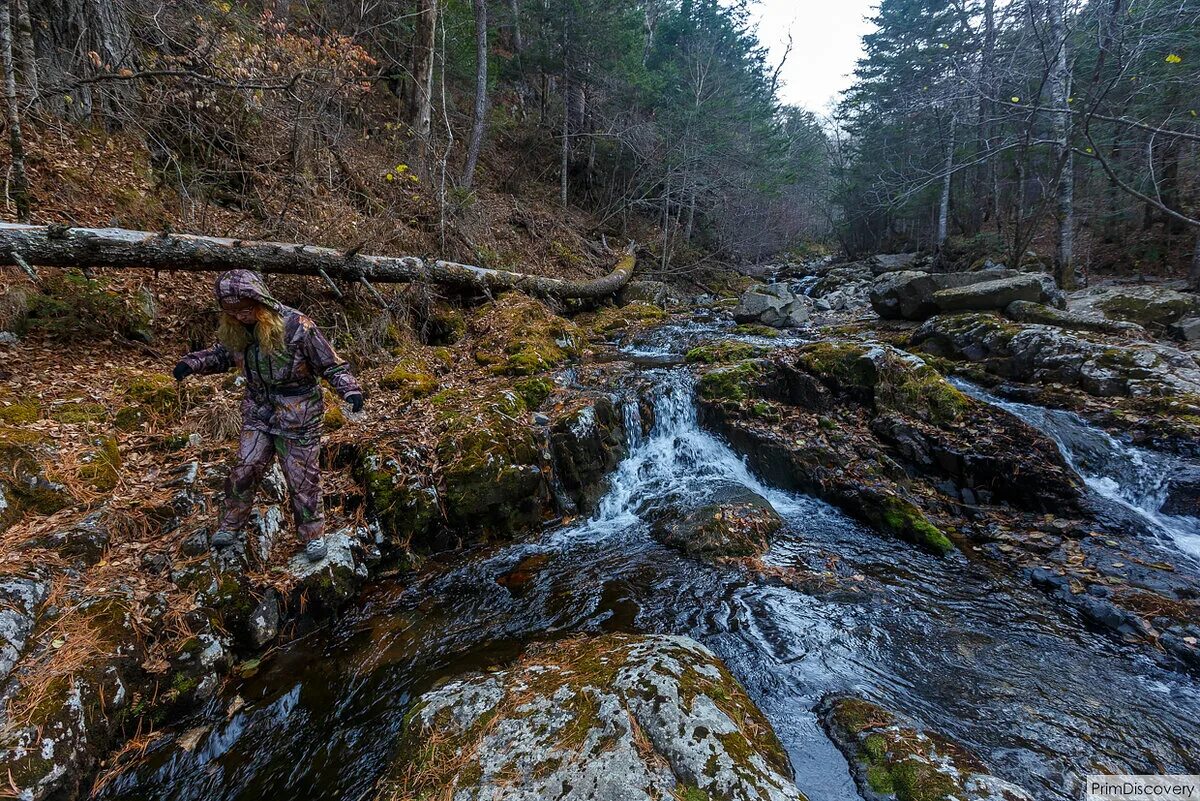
<point>335,418</point>
<point>723,353</point>
<point>534,390</point>
<point>445,325</point>
<point>916,780</point>
<point>879,778</point>
<point>25,410</point>
<point>102,464</point>
<point>855,715</point>
<point>151,397</point>
<point>616,318</point>
<point>517,335</point>
<point>921,391</point>
<point>728,383</point>
<point>409,381</point>
<point>1158,311</point>
<point>757,330</point>
<point>875,747</point>
<point>840,363</point>
<point>906,520</point>
<point>686,793</point>
<point>79,412</point>
<point>402,504</point>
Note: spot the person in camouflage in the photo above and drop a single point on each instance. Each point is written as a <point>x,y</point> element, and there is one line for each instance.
<point>282,354</point>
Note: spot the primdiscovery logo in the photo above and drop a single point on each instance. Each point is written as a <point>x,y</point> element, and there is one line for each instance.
<point>1142,788</point>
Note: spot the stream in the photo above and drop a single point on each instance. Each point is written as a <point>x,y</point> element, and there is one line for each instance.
<point>979,656</point>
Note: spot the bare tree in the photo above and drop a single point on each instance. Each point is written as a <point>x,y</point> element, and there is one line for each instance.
<point>1060,91</point>
<point>20,184</point>
<point>479,121</point>
<point>421,101</point>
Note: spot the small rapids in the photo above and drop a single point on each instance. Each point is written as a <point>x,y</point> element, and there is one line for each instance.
<point>1132,479</point>
<point>980,657</point>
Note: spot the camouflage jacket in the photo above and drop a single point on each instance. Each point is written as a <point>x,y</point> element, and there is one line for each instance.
<point>283,396</point>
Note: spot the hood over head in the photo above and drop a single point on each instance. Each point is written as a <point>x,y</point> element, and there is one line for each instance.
<point>238,285</point>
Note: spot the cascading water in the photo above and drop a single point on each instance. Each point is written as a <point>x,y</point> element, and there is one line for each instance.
<point>980,657</point>
<point>1134,479</point>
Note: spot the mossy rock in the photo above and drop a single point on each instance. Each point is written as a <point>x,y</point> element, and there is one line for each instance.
<point>444,325</point>
<point>400,499</point>
<point>757,330</point>
<point>75,306</point>
<point>723,352</point>
<point>409,381</point>
<point>491,463</point>
<point>534,390</point>
<point>79,412</point>
<point>616,318</point>
<point>729,384</point>
<point>150,397</point>
<point>101,465</point>
<point>734,522</point>
<point>1154,308</point>
<point>905,520</point>
<point>519,335</point>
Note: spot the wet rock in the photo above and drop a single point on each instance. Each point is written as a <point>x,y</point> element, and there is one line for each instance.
<point>613,718</point>
<point>334,579</point>
<point>263,625</point>
<point>732,521</point>
<point>20,596</point>
<point>772,304</point>
<point>1183,495</point>
<point>587,440</point>
<point>1026,312</point>
<point>908,294</point>
<point>893,758</point>
<point>995,294</point>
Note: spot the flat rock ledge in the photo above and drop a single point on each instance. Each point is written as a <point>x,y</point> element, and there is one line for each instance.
<point>609,718</point>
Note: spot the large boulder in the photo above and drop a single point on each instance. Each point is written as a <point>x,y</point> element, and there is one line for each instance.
<point>908,294</point>
<point>893,758</point>
<point>1183,495</point>
<point>894,262</point>
<point>1186,329</point>
<point>995,294</point>
<point>775,305</point>
<point>612,718</point>
<point>733,520</point>
<point>1023,311</point>
<point>1150,306</point>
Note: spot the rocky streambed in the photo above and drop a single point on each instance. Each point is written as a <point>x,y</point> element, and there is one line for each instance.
<point>925,597</point>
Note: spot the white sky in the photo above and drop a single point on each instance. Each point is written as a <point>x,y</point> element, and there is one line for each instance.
<point>826,44</point>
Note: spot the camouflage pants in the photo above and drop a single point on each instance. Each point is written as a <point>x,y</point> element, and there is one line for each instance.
<point>301,469</point>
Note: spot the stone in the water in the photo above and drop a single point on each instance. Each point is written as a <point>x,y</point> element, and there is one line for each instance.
<point>892,758</point>
<point>731,521</point>
<point>1183,496</point>
<point>612,718</point>
<point>772,304</point>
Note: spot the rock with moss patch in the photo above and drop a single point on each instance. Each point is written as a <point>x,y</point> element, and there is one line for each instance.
<point>1023,311</point>
<point>612,718</point>
<point>401,495</point>
<point>893,759</point>
<point>20,597</point>
<point>587,440</point>
<point>519,335</point>
<point>334,579</point>
<point>1153,307</point>
<point>732,520</point>
<point>999,293</point>
<point>492,463</point>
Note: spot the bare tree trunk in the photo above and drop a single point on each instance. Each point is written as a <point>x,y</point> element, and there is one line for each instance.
<point>481,98</point>
<point>75,39</point>
<point>421,103</point>
<point>948,170</point>
<point>1194,273</point>
<point>518,42</point>
<point>986,193</point>
<point>57,246</point>
<point>29,68</point>
<point>1060,88</point>
<point>566,118</point>
<point>20,185</point>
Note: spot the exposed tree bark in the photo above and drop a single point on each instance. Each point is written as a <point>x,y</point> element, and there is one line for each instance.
<point>514,7</point>
<point>421,102</point>
<point>1194,272</point>
<point>56,246</point>
<point>987,189</point>
<point>20,184</point>
<point>75,39</point>
<point>481,97</point>
<point>24,35</point>
<point>948,174</point>
<point>1060,89</point>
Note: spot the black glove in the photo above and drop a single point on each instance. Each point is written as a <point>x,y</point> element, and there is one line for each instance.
<point>182,371</point>
<point>355,399</point>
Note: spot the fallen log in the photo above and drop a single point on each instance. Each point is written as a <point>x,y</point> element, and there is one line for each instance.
<point>120,248</point>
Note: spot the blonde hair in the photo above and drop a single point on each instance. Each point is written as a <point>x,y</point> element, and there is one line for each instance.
<point>268,331</point>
